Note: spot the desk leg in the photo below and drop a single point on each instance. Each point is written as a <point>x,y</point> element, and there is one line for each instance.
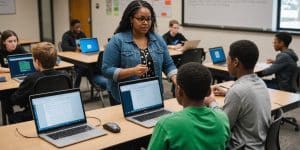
<point>3,109</point>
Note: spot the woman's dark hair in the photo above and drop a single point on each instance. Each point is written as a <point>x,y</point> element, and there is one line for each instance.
<point>131,9</point>
<point>5,35</point>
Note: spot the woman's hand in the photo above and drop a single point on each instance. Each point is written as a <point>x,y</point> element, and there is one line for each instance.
<point>140,69</point>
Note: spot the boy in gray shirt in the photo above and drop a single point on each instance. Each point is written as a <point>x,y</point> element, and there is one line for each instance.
<point>247,102</point>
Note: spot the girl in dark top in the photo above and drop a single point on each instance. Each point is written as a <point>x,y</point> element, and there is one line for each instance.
<point>9,46</point>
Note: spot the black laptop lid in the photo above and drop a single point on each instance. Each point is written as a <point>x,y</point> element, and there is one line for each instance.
<point>20,65</point>
<point>141,95</point>
<point>58,109</point>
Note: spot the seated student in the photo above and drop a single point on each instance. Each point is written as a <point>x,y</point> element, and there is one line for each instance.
<point>9,46</point>
<point>70,42</point>
<point>173,38</point>
<point>44,60</point>
<point>247,102</point>
<point>195,127</point>
<point>283,66</point>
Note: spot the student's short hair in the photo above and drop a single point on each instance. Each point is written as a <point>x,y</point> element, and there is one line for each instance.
<point>46,53</point>
<point>5,35</point>
<point>172,22</point>
<point>246,51</point>
<point>195,80</point>
<point>74,21</point>
<point>285,37</point>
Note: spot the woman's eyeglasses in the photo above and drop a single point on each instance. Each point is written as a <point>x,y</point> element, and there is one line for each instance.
<point>143,19</point>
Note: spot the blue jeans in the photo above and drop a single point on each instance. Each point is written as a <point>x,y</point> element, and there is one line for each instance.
<point>101,81</point>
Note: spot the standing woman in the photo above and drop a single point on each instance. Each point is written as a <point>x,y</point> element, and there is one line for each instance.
<point>136,51</point>
<point>9,46</point>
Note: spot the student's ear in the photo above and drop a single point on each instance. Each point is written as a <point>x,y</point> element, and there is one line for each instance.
<point>236,62</point>
<point>179,94</point>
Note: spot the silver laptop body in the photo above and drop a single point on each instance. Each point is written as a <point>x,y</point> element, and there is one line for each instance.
<point>142,101</point>
<point>60,119</point>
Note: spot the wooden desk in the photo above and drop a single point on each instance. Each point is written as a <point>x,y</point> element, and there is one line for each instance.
<point>78,58</point>
<point>174,52</point>
<point>259,66</point>
<point>28,41</point>
<point>129,131</point>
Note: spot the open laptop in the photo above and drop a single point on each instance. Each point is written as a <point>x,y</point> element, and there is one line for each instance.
<point>142,101</point>
<point>218,56</point>
<point>60,118</point>
<point>20,66</point>
<point>89,46</point>
<point>189,45</point>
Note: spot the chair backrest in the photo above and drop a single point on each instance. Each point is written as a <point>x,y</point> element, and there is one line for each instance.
<point>296,80</point>
<point>99,63</point>
<point>193,55</point>
<point>52,83</point>
<point>272,140</point>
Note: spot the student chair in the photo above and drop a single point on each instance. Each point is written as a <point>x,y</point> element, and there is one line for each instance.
<point>272,140</point>
<point>99,82</point>
<point>44,84</point>
<point>193,55</point>
<point>296,87</point>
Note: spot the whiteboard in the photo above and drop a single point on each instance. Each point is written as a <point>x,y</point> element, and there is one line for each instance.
<point>248,14</point>
<point>7,7</point>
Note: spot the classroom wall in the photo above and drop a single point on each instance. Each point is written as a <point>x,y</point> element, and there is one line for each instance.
<point>61,17</point>
<point>104,26</point>
<point>25,22</point>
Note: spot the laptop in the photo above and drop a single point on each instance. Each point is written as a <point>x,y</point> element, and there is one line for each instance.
<point>20,66</point>
<point>218,56</point>
<point>60,119</point>
<point>89,46</point>
<point>142,101</point>
<point>189,45</point>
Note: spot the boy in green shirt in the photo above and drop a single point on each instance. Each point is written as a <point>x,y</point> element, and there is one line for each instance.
<point>196,126</point>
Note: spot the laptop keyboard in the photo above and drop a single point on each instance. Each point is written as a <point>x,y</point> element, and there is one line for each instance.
<point>21,78</point>
<point>153,115</point>
<point>69,132</point>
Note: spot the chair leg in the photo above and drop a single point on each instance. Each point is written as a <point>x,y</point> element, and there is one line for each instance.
<point>291,121</point>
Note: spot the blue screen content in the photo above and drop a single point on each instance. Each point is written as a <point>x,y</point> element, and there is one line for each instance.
<point>89,45</point>
<point>140,96</point>
<point>58,110</point>
<point>21,65</point>
<point>217,55</point>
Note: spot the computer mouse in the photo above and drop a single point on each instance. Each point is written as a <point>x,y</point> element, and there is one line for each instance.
<point>2,79</point>
<point>112,127</point>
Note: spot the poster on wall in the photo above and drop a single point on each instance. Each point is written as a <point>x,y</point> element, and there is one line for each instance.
<point>162,8</point>
<point>7,7</point>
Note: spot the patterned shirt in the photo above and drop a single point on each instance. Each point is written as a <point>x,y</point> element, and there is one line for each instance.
<point>146,59</point>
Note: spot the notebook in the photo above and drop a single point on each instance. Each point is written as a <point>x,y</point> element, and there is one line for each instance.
<point>218,56</point>
<point>20,66</point>
<point>60,119</point>
<point>142,101</point>
<point>89,45</point>
<point>189,45</point>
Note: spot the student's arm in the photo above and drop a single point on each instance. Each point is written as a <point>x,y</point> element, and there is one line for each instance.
<point>159,139</point>
<point>4,70</point>
<point>281,61</point>
<point>232,106</point>
<point>21,96</point>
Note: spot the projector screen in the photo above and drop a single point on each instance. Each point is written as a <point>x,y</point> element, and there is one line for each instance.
<point>241,14</point>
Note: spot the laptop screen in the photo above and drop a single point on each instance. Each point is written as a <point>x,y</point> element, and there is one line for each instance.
<point>20,65</point>
<point>140,95</point>
<point>89,45</point>
<point>57,109</point>
<point>217,55</point>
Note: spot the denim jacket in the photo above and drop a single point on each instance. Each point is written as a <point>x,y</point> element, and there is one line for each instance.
<point>122,52</point>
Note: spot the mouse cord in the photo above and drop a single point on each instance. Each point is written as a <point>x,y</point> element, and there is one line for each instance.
<point>25,136</point>
<point>99,120</point>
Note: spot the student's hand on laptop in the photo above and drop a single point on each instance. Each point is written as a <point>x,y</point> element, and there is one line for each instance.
<point>140,69</point>
<point>178,46</point>
<point>270,61</point>
<point>219,91</point>
<point>171,47</point>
